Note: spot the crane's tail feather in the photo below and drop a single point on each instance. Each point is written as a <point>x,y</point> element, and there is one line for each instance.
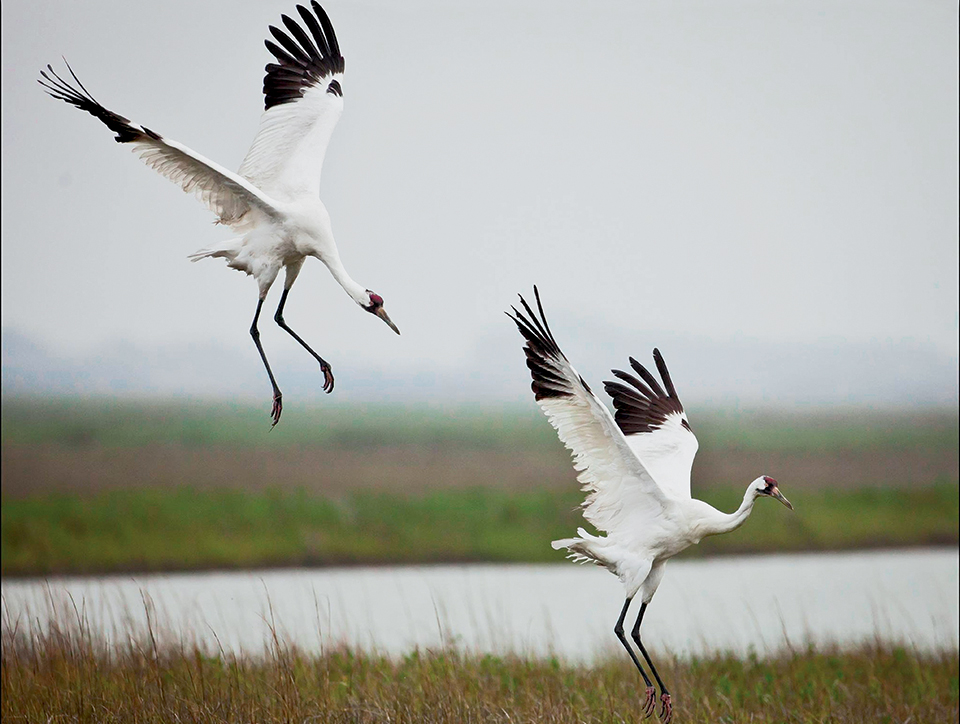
<point>583,549</point>
<point>227,249</point>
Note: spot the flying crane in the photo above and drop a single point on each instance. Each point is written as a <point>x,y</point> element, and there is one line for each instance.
<point>273,201</point>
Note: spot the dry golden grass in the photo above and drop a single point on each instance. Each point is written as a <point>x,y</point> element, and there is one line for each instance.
<point>65,676</point>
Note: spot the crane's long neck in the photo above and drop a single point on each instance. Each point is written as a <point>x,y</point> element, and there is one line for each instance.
<point>356,291</point>
<point>719,522</point>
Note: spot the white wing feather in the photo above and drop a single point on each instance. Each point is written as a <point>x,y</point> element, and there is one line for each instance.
<point>621,491</point>
<point>287,155</point>
<point>225,193</point>
<point>303,100</point>
<point>668,454</point>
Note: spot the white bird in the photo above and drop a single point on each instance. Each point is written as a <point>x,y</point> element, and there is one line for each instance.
<point>274,199</point>
<point>636,469</point>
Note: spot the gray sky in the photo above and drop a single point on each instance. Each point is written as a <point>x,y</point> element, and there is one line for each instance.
<point>732,175</point>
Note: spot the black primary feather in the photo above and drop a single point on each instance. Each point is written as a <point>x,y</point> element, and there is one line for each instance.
<point>302,61</point>
<point>81,98</point>
<point>544,357</point>
<point>643,406</point>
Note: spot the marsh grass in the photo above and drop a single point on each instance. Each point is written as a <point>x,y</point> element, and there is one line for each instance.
<point>63,674</point>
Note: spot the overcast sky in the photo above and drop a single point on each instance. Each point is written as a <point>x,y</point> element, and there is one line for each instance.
<point>732,174</point>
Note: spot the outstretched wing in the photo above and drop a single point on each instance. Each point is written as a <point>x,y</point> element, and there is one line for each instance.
<point>225,193</point>
<point>621,490</point>
<point>655,425</point>
<point>303,100</point>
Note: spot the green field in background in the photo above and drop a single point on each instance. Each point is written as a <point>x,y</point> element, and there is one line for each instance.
<point>183,524</point>
<point>182,529</point>
<point>133,423</point>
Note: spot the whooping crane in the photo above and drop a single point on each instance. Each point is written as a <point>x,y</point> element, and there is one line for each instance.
<point>274,199</point>
<point>635,468</point>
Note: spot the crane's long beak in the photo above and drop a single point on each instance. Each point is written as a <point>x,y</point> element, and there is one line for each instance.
<point>779,496</point>
<point>382,313</point>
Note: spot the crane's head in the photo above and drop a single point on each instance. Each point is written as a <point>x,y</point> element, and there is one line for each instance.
<point>765,485</point>
<point>374,305</point>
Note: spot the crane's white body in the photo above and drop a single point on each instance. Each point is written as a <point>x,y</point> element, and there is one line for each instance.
<point>638,553</point>
<point>285,221</point>
<point>299,229</point>
<point>646,522</point>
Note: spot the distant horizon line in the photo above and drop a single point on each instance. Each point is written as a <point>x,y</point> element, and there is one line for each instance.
<point>254,401</point>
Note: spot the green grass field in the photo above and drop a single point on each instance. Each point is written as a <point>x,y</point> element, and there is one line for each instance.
<point>123,423</point>
<point>63,676</point>
<point>96,486</point>
<point>182,528</point>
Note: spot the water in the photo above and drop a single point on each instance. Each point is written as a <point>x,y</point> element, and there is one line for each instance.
<point>762,603</point>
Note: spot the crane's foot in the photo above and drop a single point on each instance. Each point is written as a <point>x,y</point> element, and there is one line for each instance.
<point>650,702</point>
<point>327,377</point>
<point>666,708</point>
<point>277,409</point>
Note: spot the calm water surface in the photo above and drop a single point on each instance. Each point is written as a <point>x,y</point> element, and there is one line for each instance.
<point>735,603</point>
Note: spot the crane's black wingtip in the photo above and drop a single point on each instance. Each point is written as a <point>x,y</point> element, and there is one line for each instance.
<point>544,358</point>
<point>644,406</point>
<point>83,100</point>
<point>303,60</point>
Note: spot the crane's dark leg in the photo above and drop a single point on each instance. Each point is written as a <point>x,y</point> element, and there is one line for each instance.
<point>324,365</point>
<point>277,396</point>
<point>666,710</point>
<point>650,702</point>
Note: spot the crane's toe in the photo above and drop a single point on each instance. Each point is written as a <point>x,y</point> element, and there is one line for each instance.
<point>666,710</point>
<point>327,378</point>
<point>277,409</point>
<point>650,703</point>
